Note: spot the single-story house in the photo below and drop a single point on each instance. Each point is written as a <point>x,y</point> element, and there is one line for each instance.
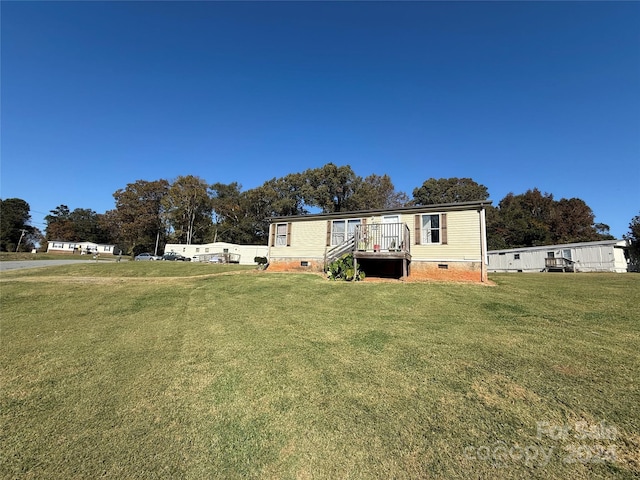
<point>446,241</point>
<point>600,256</point>
<point>219,251</point>
<point>83,248</point>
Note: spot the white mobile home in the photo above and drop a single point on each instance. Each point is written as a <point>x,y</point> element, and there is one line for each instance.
<point>83,248</point>
<point>600,256</point>
<point>222,251</point>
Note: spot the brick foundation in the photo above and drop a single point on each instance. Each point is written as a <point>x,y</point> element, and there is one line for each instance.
<point>454,271</point>
<point>418,271</point>
<point>295,265</point>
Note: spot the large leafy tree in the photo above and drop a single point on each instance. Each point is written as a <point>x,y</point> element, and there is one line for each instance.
<point>449,190</point>
<point>14,225</point>
<point>138,221</point>
<point>276,197</point>
<point>376,192</point>
<point>229,212</point>
<point>535,218</point>
<point>574,221</point>
<point>521,220</point>
<point>188,209</point>
<point>633,239</point>
<point>87,224</point>
<point>335,188</point>
<point>330,187</point>
<point>283,196</point>
<point>59,225</point>
<point>497,229</point>
<point>243,216</point>
<point>79,225</point>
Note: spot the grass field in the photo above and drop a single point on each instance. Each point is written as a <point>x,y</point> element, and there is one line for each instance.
<point>163,370</point>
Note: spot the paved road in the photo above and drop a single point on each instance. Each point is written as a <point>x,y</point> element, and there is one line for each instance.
<point>19,264</point>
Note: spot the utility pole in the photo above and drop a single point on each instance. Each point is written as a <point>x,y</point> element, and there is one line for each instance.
<point>21,235</point>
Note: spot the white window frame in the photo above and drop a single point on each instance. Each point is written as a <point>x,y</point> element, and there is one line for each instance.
<point>349,230</point>
<point>281,235</point>
<point>426,231</point>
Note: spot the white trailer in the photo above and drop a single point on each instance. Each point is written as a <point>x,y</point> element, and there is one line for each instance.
<point>600,256</point>
<point>219,252</point>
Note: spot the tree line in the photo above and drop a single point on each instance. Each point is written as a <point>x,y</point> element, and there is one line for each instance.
<point>150,213</point>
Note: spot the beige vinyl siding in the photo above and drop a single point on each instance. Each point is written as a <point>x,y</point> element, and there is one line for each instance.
<point>307,237</point>
<point>463,238</point>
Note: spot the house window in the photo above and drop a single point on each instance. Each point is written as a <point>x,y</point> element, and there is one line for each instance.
<point>58,245</point>
<point>342,230</point>
<point>516,256</point>
<point>281,234</point>
<point>430,229</point>
<point>197,250</point>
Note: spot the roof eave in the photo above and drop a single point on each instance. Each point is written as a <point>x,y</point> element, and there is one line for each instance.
<point>476,205</point>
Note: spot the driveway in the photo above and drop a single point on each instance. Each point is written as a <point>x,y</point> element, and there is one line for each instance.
<point>20,264</point>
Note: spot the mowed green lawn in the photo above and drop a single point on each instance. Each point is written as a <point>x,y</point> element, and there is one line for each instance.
<point>163,370</point>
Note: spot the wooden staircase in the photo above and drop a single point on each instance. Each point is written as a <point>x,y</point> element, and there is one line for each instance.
<point>336,252</point>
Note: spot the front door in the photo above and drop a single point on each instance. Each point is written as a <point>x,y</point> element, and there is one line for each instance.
<point>391,232</point>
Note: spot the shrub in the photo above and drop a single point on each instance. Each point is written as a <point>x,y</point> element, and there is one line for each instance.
<point>262,262</point>
<point>343,269</point>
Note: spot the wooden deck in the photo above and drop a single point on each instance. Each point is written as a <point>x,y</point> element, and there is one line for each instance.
<point>383,242</point>
<point>386,255</point>
<point>385,261</point>
<point>376,242</point>
<point>558,264</point>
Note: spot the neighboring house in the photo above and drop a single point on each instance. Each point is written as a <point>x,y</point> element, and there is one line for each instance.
<point>445,241</point>
<point>600,256</point>
<point>84,248</point>
<point>219,251</point>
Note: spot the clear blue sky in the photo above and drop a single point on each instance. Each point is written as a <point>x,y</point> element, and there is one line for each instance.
<point>514,95</point>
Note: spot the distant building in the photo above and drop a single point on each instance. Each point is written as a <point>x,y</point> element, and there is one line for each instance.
<point>600,256</point>
<point>221,252</point>
<point>83,248</point>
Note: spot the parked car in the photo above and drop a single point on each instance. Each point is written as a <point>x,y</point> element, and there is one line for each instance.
<point>173,256</point>
<point>145,256</point>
